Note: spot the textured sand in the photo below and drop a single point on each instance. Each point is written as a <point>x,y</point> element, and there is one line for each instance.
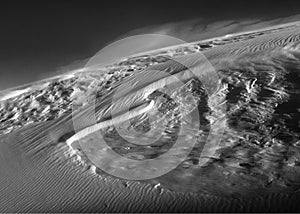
<point>47,181</point>
<point>40,173</point>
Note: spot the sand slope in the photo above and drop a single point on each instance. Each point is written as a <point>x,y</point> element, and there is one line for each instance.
<point>41,173</point>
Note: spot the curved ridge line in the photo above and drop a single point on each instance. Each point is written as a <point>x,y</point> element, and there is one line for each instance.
<point>88,130</point>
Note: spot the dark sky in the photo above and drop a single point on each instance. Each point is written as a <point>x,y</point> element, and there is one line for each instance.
<point>36,38</point>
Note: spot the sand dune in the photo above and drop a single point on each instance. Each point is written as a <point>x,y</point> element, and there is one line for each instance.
<point>41,173</point>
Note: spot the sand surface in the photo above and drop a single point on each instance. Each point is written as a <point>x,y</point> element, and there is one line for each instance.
<point>41,173</point>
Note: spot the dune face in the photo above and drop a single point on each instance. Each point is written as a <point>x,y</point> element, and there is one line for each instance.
<point>49,163</point>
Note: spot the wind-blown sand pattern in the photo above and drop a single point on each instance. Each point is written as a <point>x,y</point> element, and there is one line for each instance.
<point>256,167</point>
